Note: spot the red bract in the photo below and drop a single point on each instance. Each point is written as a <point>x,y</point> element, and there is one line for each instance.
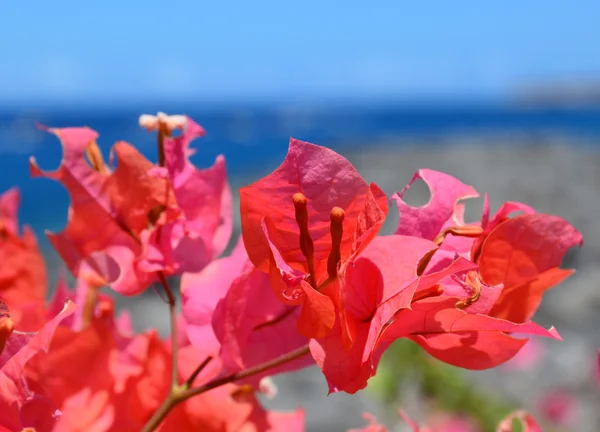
<point>120,378</point>
<point>21,405</point>
<point>528,423</point>
<point>128,223</point>
<point>23,271</point>
<point>201,220</point>
<point>469,340</point>
<point>521,253</point>
<point>201,292</point>
<point>231,301</point>
<point>387,299</point>
<point>302,222</point>
<point>379,284</point>
<point>524,253</point>
<point>92,363</point>
<point>108,209</point>
<point>427,221</point>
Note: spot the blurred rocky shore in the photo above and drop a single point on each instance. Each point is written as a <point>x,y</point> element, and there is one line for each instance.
<point>555,174</point>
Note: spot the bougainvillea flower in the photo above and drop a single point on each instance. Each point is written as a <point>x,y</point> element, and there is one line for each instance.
<point>427,221</point>
<point>387,299</point>
<point>202,291</point>
<point>253,326</point>
<point>521,253</point>
<point>379,285</point>
<point>201,227</point>
<point>21,405</point>
<point>230,305</point>
<point>23,271</point>
<point>528,423</point>
<point>558,407</point>
<point>85,411</point>
<point>92,363</point>
<point>302,222</point>
<point>121,378</point>
<point>108,209</point>
<point>137,219</point>
<point>524,254</point>
<point>455,336</point>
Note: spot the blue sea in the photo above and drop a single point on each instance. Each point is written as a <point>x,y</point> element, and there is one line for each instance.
<point>254,138</point>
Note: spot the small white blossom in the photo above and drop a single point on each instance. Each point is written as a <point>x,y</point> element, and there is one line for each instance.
<point>151,122</point>
<point>267,387</point>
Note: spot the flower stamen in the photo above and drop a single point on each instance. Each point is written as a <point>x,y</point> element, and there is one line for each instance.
<point>164,125</point>
<point>94,282</point>
<point>7,326</point>
<point>473,280</point>
<point>94,156</point>
<point>424,262</point>
<point>337,230</point>
<point>306,243</point>
<point>460,231</point>
<point>434,291</point>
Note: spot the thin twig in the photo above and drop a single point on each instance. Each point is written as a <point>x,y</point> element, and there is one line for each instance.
<point>183,392</point>
<point>255,370</point>
<point>174,334</point>
<point>190,381</point>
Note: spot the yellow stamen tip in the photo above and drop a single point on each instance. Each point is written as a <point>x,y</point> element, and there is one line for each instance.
<point>94,155</point>
<point>7,325</point>
<point>299,200</point>
<point>337,215</point>
<point>337,231</point>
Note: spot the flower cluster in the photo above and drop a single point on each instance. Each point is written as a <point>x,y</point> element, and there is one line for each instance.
<point>309,282</point>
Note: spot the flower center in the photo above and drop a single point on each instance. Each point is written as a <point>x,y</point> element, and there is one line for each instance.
<point>336,217</point>
<point>472,280</point>
<point>164,125</point>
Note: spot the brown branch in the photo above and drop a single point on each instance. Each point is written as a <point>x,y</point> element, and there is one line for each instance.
<point>183,392</point>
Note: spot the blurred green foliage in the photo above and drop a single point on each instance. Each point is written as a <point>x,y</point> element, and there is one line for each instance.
<point>443,387</point>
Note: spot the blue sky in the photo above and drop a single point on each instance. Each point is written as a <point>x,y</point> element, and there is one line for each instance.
<point>114,50</point>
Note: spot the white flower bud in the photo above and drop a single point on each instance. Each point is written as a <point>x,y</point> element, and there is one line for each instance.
<point>151,122</point>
